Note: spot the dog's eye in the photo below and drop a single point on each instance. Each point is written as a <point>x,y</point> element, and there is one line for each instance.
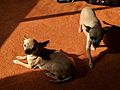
<point>24,45</point>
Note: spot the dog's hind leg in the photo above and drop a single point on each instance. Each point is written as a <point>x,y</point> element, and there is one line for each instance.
<point>80,27</point>
<point>49,74</point>
<point>57,78</point>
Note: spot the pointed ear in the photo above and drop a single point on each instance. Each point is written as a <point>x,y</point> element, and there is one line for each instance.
<point>25,37</point>
<point>106,29</point>
<point>88,28</point>
<point>44,44</point>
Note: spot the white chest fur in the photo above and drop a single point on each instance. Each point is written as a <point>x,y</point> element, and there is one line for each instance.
<point>31,57</point>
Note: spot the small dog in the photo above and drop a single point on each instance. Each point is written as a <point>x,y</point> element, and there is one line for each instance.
<point>58,65</point>
<point>93,30</point>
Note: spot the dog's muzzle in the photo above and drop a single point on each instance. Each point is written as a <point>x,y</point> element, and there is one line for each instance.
<point>28,51</point>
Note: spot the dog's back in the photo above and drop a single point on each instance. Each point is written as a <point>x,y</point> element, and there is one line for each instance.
<point>60,62</point>
<point>88,17</point>
<point>60,65</point>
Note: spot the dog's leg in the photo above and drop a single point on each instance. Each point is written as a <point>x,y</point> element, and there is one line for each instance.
<point>21,57</point>
<point>72,0</point>
<point>21,63</point>
<point>80,27</point>
<point>36,63</point>
<point>92,47</point>
<point>30,64</point>
<point>88,44</point>
<point>51,75</point>
<point>38,60</point>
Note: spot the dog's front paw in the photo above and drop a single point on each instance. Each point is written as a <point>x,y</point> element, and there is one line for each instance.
<point>20,57</point>
<point>93,48</point>
<point>92,65</point>
<point>15,61</point>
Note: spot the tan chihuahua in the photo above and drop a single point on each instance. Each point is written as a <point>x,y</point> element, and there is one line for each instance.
<point>93,30</point>
<point>58,65</point>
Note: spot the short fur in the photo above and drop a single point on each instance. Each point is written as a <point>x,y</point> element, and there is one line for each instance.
<point>92,28</point>
<point>58,65</point>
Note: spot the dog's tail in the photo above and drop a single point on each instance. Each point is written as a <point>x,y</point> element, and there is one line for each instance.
<point>60,81</point>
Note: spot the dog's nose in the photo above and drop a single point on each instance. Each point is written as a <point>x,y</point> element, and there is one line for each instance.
<point>28,51</point>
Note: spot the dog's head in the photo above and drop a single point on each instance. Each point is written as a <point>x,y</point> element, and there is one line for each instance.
<point>32,46</point>
<point>96,35</point>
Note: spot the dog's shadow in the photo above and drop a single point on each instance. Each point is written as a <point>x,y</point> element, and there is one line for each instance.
<point>111,41</point>
<point>82,66</point>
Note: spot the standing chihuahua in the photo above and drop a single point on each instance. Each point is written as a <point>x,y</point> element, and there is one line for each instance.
<point>92,28</point>
<point>58,65</point>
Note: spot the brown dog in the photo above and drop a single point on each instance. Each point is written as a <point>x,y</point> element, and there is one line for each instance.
<point>58,65</point>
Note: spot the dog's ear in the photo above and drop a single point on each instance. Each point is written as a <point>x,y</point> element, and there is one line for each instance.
<point>106,29</point>
<point>25,38</point>
<point>43,44</point>
<point>88,28</point>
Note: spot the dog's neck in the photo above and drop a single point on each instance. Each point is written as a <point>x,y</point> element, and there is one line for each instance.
<point>98,24</point>
<point>31,56</point>
<point>44,53</point>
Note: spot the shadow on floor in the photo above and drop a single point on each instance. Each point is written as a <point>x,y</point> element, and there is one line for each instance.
<point>60,14</point>
<point>111,41</point>
<point>11,12</point>
<point>82,67</point>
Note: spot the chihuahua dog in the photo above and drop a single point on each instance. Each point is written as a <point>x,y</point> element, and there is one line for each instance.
<point>93,30</point>
<point>58,65</point>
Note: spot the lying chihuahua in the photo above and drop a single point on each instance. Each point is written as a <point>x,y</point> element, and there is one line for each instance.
<point>93,30</point>
<point>58,65</point>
